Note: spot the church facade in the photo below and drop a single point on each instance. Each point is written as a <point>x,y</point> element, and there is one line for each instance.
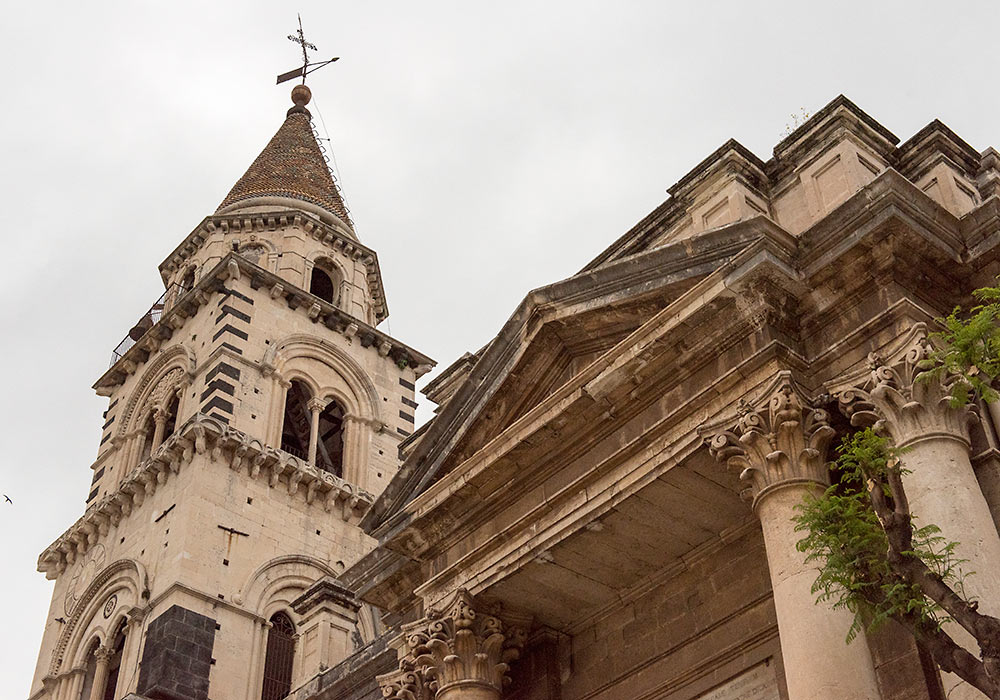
<point>601,506</point>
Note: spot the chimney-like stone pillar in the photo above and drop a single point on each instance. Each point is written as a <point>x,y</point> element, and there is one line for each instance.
<point>921,417</point>
<point>327,626</point>
<point>779,445</point>
<point>455,653</point>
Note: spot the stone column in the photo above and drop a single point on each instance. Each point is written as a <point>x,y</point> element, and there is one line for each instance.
<point>316,407</point>
<point>103,655</point>
<point>160,425</point>
<point>455,653</point>
<point>942,487</point>
<point>780,446</point>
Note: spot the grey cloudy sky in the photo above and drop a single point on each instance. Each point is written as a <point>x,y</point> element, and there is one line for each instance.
<point>484,148</point>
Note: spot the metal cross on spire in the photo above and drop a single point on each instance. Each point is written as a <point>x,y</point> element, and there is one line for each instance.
<point>300,38</point>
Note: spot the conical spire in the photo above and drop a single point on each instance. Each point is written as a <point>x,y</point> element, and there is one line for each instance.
<point>292,166</point>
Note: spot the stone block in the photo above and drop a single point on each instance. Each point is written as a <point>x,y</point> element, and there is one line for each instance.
<point>177,657</point>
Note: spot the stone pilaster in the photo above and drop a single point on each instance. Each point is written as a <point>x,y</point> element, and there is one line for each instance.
<point>454,653</point>
<point>941,485</point>
<point>779,445</point>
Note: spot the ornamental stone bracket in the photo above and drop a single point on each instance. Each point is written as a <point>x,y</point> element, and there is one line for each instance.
<point>456,652</point>
<point>203,435</point>
<point>897,399</point>
<point>778,439</point>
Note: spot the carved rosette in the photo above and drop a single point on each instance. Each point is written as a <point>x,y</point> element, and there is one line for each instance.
<point>778,440</point>
<point>454,646</point>
<point>898,402</point>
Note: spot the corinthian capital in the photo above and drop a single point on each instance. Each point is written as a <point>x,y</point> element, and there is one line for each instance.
<point>455,647</point>
<point>778,439</point>
<point>899,400</point>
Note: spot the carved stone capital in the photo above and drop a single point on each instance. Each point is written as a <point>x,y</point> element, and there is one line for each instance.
<point>897,401</point>
<point>453,647</point>
<point>103,654</point>
<point>778,439</point>
<point>316,405</point>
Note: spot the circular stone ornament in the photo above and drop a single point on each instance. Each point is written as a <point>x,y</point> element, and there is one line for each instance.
<point>109,607</point>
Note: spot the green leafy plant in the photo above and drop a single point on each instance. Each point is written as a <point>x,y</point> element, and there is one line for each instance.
<point>873,559</point>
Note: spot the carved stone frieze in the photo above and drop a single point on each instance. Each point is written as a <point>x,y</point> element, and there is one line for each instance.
<point>455,646</point>
<point>778,439</point>
<point>897,401</point>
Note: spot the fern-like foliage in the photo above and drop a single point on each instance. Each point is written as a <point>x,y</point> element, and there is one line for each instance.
<point>844,537</point>
<point>967,349</point>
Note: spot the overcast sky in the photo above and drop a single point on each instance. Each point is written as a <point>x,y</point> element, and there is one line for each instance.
<point>484,149</point>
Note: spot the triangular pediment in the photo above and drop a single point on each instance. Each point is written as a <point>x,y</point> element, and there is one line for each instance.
<point>556,332</point>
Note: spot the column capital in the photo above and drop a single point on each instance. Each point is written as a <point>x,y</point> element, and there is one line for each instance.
<point>316,405</point>
<point>103,654</point>
<point>778,439</point>
<point>900,400</point>
<point>455,646</point>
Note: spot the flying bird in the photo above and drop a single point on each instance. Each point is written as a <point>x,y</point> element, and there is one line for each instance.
<point>7,498</point>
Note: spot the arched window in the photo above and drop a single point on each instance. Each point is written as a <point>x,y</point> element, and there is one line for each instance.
<point>324,282</point>
<point>149,431</point>
<point>171,423</point>
<point>330,452</point>
<point>296,425</point>
<point>279,657</point>
<point>115,663</point>
<point>90,671</point>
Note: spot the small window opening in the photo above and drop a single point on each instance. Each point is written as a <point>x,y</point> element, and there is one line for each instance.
<point>295,425</point>
<point>330,452</point>
<point>278,658</point>
<point>321,284</point>
<point>187,283</point>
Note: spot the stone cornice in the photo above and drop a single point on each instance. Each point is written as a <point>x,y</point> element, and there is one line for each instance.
<point>202,435</point>
<point>258,222</point>
<point>232,267</point>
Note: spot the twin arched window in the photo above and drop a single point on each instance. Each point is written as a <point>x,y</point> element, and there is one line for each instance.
<point>279,658</point>
<point>103,667</point>
<point>317,439</point>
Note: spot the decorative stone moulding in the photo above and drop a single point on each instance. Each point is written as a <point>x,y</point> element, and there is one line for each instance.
<point>453,647</point>
<point>202,434</point>
<point>324,233</point>
<point>777,440</point>
<point>233,267</point>
<point>897,401</point>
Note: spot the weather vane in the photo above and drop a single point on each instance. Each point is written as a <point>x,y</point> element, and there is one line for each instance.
<point>300,38</point>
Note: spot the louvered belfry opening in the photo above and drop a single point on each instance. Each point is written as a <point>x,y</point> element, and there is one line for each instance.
<point>279,658</point>
<point>295,428</point>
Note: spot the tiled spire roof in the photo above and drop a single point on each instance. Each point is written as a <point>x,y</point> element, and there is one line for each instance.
<point>292,165</point>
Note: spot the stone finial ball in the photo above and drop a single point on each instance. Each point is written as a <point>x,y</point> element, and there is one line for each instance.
<point>301,95</point>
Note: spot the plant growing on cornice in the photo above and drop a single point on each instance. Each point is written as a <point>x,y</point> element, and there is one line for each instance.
<point>967,349</point>
<point>874,560</point>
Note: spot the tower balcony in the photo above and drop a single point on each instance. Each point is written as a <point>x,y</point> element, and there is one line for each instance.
<point>147,321</point>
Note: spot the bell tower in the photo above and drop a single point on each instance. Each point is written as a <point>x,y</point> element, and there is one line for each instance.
<point>254,412</point>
